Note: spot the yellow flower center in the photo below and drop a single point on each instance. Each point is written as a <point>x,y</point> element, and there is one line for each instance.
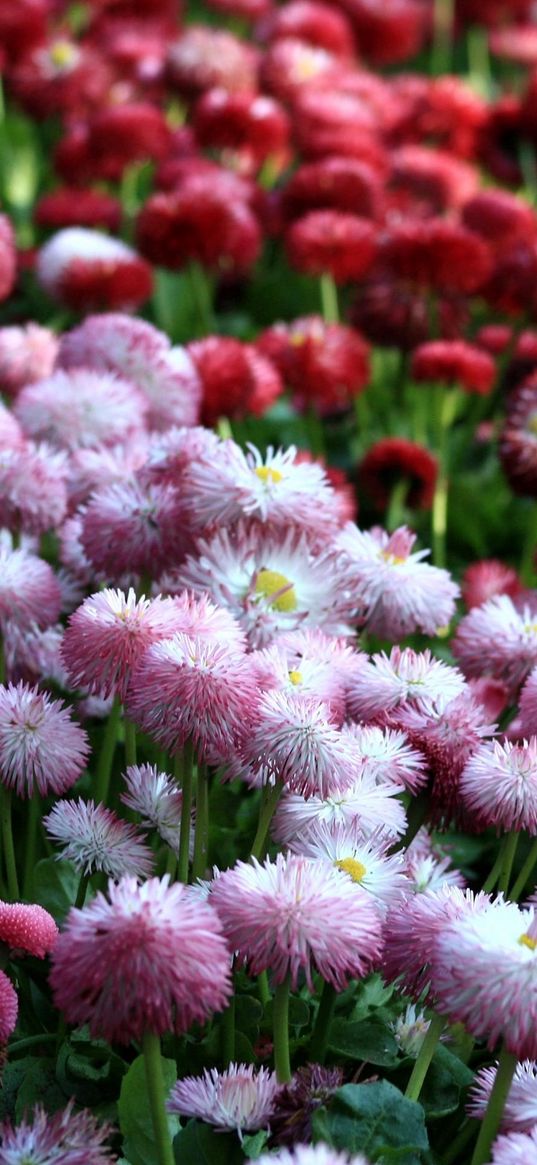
<point>354,868</point>
<point>393,559</point>
<point>526,940</point>
<point>265,473</point>
<point>276,587</point>
<point>62,54</point>
<point>532,424</point>
<point>295,677</point>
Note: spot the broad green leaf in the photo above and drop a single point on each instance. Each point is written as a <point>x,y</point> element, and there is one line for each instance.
<point>367,1040</point>
<point>375,1119</point>
<point>135,1116</point>
<point>55,885</point>
<point>200,1144</point>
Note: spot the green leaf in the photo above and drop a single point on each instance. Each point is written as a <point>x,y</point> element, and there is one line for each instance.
<point>375,1119</point>
<point>372,994</point>
<point>254,1144</point>
<point>248,1012</point>
<point>368,1040</point>
<point>54,886</point>
<point>135,1116</point>
<point>38,1086</point>
<point>445,1080</point>
<point>199,1144</point>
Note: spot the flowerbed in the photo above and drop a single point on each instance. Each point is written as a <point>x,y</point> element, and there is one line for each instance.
<point>268,468</point>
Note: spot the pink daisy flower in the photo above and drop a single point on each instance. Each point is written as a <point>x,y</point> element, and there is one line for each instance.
<point>27,928</point>
<point>520,1112</point>
<point>85,269</point>
<point>147,958</point>
<point>310,663</point>
<point>241,1098</point>
<point>311,1155</point>
<point>499,639</point>
<point>499,785</point>
<point>484,975</point>
<point>398,592</point>
<point>364,861</point>
<point>141,354</point>
<point>128,527</point>
<point>81,408</point>
<point>293,740</point>
<point>386,684</point>
<point>271,583</point>
<point>27,352</point>
<point>386,756</point>
<point>197,615</point>
<point>94,469</point>
<point>95,838</point>
<point>528,705</point>
<point>515,1149</point>
<point>108,635</point>
<point>364,807</point>
<point>428,867</point>
<point>29,590</point>
<point>186,688</point>
<point>9,1010</point>
<point>32,654</point>
<point>66,1137</point>
<point>11,435</point>
<point>40,745</point>
<point>294,915</point>
<point>33,493</point>
<point>157,799</point>
<point>277,489</point>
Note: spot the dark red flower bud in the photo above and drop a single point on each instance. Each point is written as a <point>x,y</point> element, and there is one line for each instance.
<point>326,365</point>
<point>518,439</point>
<point>437,254</point>
<point>345,184</point>
<point>330,242</point>
<point>393,459</point>
<point>206,58</point>
<point>71,207</point>
<point>317,23</point>
<point>8,257</point>
<point>454,362</point>
<point>483,580</point>
<point>387,32</point>
<point>500,217</point>
<point>237,380</point>
<point>199,222</point>
<point>431,179</point>
<point>249,126</point>
<point>123,134</point>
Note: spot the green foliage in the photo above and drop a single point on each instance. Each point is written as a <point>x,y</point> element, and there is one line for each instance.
<point>135,1116</point>
<point>375,1119</point>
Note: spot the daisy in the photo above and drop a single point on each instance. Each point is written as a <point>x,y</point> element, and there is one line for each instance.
<point>366,862</point>
<point>520,1112</point>
<point>85,269</point>
<point>388,683</point>
<point>528,705</point>
<point>241,1098</point>
<point>157,799</point>
<point>33,493</point>
<point>9,1010</point>
<point>29,590</point>
<point>66,1137</point>
<point>427,867</point>
<point>516,1149</point>
<point>130,527</point>
<point>386,756</point>
<point>364,807</point>
<point>499,785</point>
<point>498,638</point>
<point>81,408</point>
<point>312,1155</point>
<point>27,927</point>
<point>40,745</point>
<point>95,838</point>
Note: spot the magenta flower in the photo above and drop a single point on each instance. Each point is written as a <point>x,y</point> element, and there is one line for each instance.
<point>156,797</point>
<point>516,1149</point>
<point>108,635</point>
<point>386,684</point>
<point>240,1098</point>
<point>499,639</point>
<point>29,590</point>
<point>9,1010</point>
<point>40,745</point>
<point>27,928</point>
<point>520,1112</point>
<point>95,838</point>
<point>499,785</point>
<point>528,705</point>
<point>132,528</point>
<point>66,1137</point>
<point>364,807</point>
<point>311,1155</point>
<point>148,958</point>
<point>81,409</point>
<point>294,915</point>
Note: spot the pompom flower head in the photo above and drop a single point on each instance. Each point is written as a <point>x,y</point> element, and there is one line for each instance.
<point>157,799</point>
<point>27,928</point>
<point>311,1155</point>
<point>29,590</point>
<point>9,1010</point>
<point>148,958</point>
<point>40,745</point>
<point>296,915</point>
<point>95,838</point>
<point>86,270</point>
<point>499,785</point>
<point>66,1137</point>
<point>240,1098</point>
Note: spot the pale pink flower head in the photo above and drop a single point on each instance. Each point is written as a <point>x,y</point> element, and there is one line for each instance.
<point>365,861</point>
<point>9,1010</point>
<point>93,469</point>
<point>27,928</point>
<point>29,590</point>
<point>140,353</point>
<point>515,1149</point>
<point>81,409</point>
<point>311,1155</point>
<point>187,688</point>
<point>487,578</point>
<point>27,352</point>
<point>294,915</point>
<point>171,453</point>
<point>399,593</point>
<point>309,663</point>
<point>411,930</point>
<point>11,435</point>
<point>33,492</point>
<point>387,757</point>
<point>520,1112</point>
<point>85,269</point>
<point>158,800</point>
<point>528,705</point>
<point>41,746</point>
<point>197,615</point>
<point>428,867</point>
<point>95,838</point>
<point>364,807</point>
<point>66,1138</point>
<point>33,654</point>
<point>498,639</point>
<point>241,1098</point>
<point>276,489</point>
<point>499,785</point>
<point>108,635</point>
<point>148,957</point>
<point>294,740</point>
<point>272,583</point>
<point>484,975</point>
<point>132,528</point>
<point>386,684</point>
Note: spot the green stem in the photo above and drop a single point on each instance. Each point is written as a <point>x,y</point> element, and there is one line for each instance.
<point>82,891</point>
<point>527,869</point>
<point>184,767</point>
<point>495,872</point>
<point>442,49</point>
<point>329,299</point>
<point>263,987</point>
<point>156,1096</point>
<point>280,1021</point>
<point>223,429</point>
<point>130,742</point>
<point>228,1034</point>
<point>425,1055</point>
<point>509,850</point>
<point>34,817</point>
<point>444,404</point>
<point>271,796</point>
<point>321,1029</point>
<point>493,1115</point>
<point>171,864</point>
<point>202,296</point>
<point>453,1156</point>
<point>415,816</point>
<point>31,1041</point>
<point>106,755</point>
<point>201,835</point>
<point>527,562</point>
<point>394,513</point>
<point>7,841</point>
<point>315,433</point>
